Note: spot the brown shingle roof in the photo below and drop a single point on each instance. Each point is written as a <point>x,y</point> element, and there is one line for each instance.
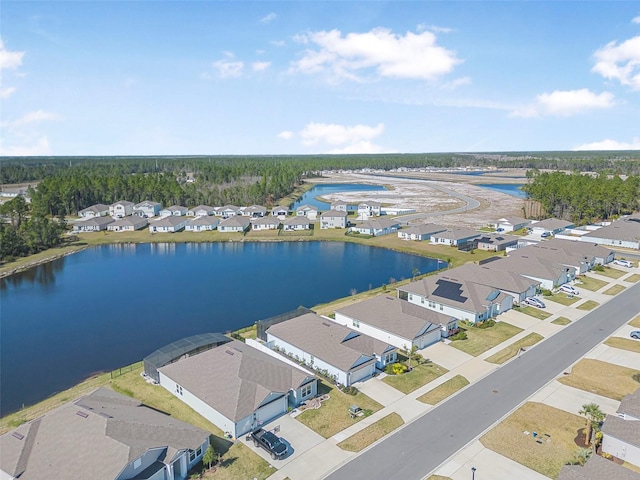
<point>597,468</point>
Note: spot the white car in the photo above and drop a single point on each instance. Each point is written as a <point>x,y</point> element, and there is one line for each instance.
<point>534,302</point>
<point>569,289</point>
<point>623,263</point>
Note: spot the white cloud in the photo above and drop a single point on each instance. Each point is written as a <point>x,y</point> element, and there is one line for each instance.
<point>609,144</point>
<point>41,147</point>
<point>285,135</point>
<point>9,60</point>
<point>564,103</point>
<point>31,118</point>
<point>277,43</point>
<point>636,20</point>
<point>6,92</point>
<point>260,66</point>
<point>457,82</point>
<point>434,28</point>
<point>379,51</point>
<point>334,134</point>
<point>359,147</point>
<point>268,18</point>
<point>228,68</point>
<point>620,62</point>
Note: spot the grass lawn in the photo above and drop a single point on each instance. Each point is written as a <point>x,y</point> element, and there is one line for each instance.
<point>624,344</point>
<point>548,458</point>
<point>372,433</point>
<point>611,272</point>
<point>240,462</point>
<point>632,278</point>
<point>563,299</point>
<point>635,322</point>
<point>333,416</point>
<point>480,340</point>
<point>444,390</point>
<point>616,289</point>
<point>602,378</point>
<point>561,321</point>
<point>420,375</point>
<point>534,312</point>
<point>588,305</point>
<point>589,283</point>
<point>513,349</point>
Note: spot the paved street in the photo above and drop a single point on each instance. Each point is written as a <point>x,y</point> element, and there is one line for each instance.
<point>423,445</point>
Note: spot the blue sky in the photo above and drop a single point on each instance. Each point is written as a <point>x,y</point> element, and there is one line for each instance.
<point>182,78</point>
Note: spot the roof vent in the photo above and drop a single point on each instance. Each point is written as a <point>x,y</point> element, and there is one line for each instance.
<point>326,324</point>
<point>229,352</point>
<point>82,414</point>
<point>17,435</point>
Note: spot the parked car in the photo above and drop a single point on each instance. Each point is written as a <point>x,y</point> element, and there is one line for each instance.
<point>499,229</point>
<point>270,442</point>
<point>623,263</point>
<point>534,302</point>
<point>545,234</point>
<point>635,334</point>
<point>569,289</point>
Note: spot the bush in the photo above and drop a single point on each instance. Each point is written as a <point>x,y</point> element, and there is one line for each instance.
<point>395,369</point>
<point>350,390</point>
<point>636,377</point>
<point>546,293</point>
<point>487,323</point>
<point>459,336</point>
<point>598,268</point>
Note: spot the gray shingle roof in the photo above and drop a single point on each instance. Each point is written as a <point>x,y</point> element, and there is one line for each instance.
<point>135,222</point>
<point>626,430</point>
<point>334,213</point>
<point>266,221</point>
<point>301,220</point>
<point>457,234</point>
<point>236,221</point>
<point>581,247</point>
<point>205,220</point>
<point>631,404</point>
<point>147,203</point>
<point>378,223</point>
<point>238,378</point>
<point>97,208</point>
<point>95,221</point>
<point>625,229</point>
<point>424,229</point>
<point>494,277</point>
<point>561,256</point>
<point>498,239</point>
<point>170,221</point>
<point>551,224</point>
<point>206,208</point>
<point>529,266</point>
<point>597,468</point>
<point>514,220</point>
<point>125,203</point>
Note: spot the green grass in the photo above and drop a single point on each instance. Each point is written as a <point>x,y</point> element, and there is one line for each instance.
<point>589,283</point>
<point>240,462</point>
<point>588,305</point>
<point>632,278</point>
<point>419,375</point>
<point>480,340</point>
<point>610,272</point>
<point>333,416</point>
<point>533,312</point>
<point>444,390</point>
<point>563,299</point>
<point>372,433</point>
<point>513,349</point>
<point>602,378</point>
<point>624,344</point>
<point>561,321</point>
<point>616,289</point>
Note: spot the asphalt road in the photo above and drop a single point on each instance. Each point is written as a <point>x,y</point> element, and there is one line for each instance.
<point>420,447</point>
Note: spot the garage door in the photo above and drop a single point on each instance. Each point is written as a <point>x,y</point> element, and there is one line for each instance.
<point>271,410</point>
<point>362,373</point>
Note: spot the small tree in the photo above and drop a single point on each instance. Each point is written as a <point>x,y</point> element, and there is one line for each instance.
<point>209,456</point>
<point>410,353</point>
<point>415,272</point>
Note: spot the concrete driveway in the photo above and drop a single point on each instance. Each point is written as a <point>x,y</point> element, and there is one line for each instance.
<point>379,391</point>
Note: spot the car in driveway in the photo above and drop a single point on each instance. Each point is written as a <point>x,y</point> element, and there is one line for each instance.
<point>534,302</point>
<point>569,289</point>
<point>270,442</point>
<point>623,263</point>
<point>635,334</point>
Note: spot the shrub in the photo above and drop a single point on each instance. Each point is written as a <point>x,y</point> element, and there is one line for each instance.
<point>598,268</point>
<point>546,293</point>
<point>636,377</point>
<point>487,323</point>
<point>396,369</point>
<point>459,336</point>
<point>350,390</point>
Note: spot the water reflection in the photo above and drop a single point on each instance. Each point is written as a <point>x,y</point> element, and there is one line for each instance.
<point>43,275</point>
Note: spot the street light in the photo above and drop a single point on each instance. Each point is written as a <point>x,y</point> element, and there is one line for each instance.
<point>473,473</point>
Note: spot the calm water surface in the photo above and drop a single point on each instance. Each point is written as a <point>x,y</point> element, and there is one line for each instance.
<point>508,188</point>
<point>309,197</point>
<point>109,306</point>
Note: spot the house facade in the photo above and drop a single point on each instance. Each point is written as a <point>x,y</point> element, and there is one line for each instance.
<point>454,236</point>
<point>174,210</point>
<point>95,224</point>
<point>170,224</point>
<point>495,242</point>
<point>147,209</point>
<point>236,223</point>
<point>202,224</point>
<point>228,211</point>
<point>551,225</point>
<point>369,209</point>
<point>621,432</point>
<point>201,211</point>
<point>128,224</point>
<point>308,211</point>
<point>339,206</point>
<point>97,210</point>
<point>265,223</point>
<point>254,211</point>
<point>333,219</point>
<point>296,223</point>
<point>511,224</point>
<point>280,212</point>
<point>121,209</point>
<point>420,232</point>
<point>376,227</point>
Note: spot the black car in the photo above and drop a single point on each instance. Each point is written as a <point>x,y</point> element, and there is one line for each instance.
<point>270,442</point>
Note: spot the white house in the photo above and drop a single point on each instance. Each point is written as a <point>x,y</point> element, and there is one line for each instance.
<point>511,224</point>
<point>454,236</point>
<point>308,211</point>
<point>128,224</point>
<point>97,210</point>
<point>342,353</point>
<point>296,223</point>
<point>624,233</point>
<point>280,212</point>
<point>334,219</point>
<point>236,223</point>
<point>174,210</point>
<point>201,211</point>
<point>376,227</point>
<point>551,225</point>
<point>236,387</point>
<point>495,242</point>
<point>147,209</point>
<point>94,224</point>
<point>170,224</point>
<point>265,223</point>
<point>621,433</point>
<point>339,206</point>
<point>254,211</point>
<point>202,224</point>
<point>420,232</point>
<point>549,273</point>
<point>368,209</point>
<point>228,211</point>
<point>121,209</point>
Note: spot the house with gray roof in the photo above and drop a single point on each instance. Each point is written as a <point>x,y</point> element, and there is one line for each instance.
<point>202,223</point>
<point>102,436</point>
<point>549,273</point>
<point>128,224</point>
<point>454,236</point>
<point>147,209</point>
<point>94,224</point>
<point>621,433</point>
<point>120,209</point>
<point>551,225</point>
<point>420,232</point>
<point>254,211</point>
<point>237,387</point>
<point>340,206</point>
<point>559,254</point>
<point>201,211</point>
<point>334,219</point>
<point>300,222</point>
<point>511,224</point>
<point>347,355</point>
<point>236,223</point>
<point>597,468</point>
<point>170,224</point>
<point>369,209</point>
<point>398,322</point>
<point>308,211</point>
<point>624,233</point>
<point>265,223</point>
<point>600,255</point>
<point>174,210</point>
<point>228,211</point>
<point>629,408</point>
<point>495,242</point>
<point>280,212</point>
<point>97,210</point>
<point>376,227</point>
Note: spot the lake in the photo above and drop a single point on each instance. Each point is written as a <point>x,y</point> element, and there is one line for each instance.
<point>512,189</point>
<point>320,190</point>
<point>109,306</point>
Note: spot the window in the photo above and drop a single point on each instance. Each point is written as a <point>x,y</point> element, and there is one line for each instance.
<point>178,389</point>
<point>441,307</point>
<point>356,323</point>
<point>389,357</point>
<point>306,391</point>
<point>421,299</point>
<point>199,452</point>
<point>192,455</point>
<point>410,296</point>
<point>311,359</point>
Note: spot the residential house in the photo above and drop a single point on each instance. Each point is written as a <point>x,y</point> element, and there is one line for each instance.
<point>174,210</point>
<point>103,435</point>
<point>624,233</point>
<point>254,211</point>
<point>236,223</point>
<point>551,225</point>
<point>147,209</point>
<point>236,387</point>
<point>376,227</point>
<point>368,209</point>
<point>597,468</point>
<point>296,223</point>
<point>170,224</point>
<point>201,211</point>
<point>329,347</point>
<point>280,212</point>
<point>621,433</point>
<point>228,211</point>
<point>128,224</point>
<point>339,206</point>
<point>334,219</point>
<point>398,322</point>
<point>94,224</point>
<point>308,211</point>
<point>561,255</point>
<point>549,273</point>
<point>454,236</point>
<point>511,224</point>
<point>265,223</point>
<point>597,254</point>
<point>420,232</point>
<point>495,242</point>
<point>120,209</point>
<point>456,297</point>
<point>202,223</point>
<point>97,210</point>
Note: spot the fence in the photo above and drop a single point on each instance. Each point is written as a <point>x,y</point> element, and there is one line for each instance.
<point>263,325</point>
<point>122,370</point>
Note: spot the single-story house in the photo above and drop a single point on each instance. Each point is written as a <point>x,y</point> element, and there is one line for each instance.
<point>624,233</point>
<point>201,211</point>
<point>254,211</point>
<point>574,258</point>
<point>376,227</point>
<point>420,232</point>
<point>621,433</point>
<point>549,273</point>
<point>97,210</point>
<point>600,255</point>
<point>120,209</point>
<point>128,224</point>
<point>297,223</point>
<point>334,219</point>
<point>597,468</point>
<point>202,223</point>
<point>339,206</point>
<point>495,242</point>
<point>369,209</point>
<point>280,211</point>
<point>327,346</point>
<point>102,435</point>
<point>456,297</point>
<point>174,210</point>
<point>398,322</point>
<point>308,211</point>
<point>511,224</point>
<point>147,209</point>
<point>265,223</point>
<point>551,225</point>
<point>95,224</point>
<point>228,211</point>
<point>237,387</point>
<point>170,224</point>
<point>236,223</point>
<point>454,236</point>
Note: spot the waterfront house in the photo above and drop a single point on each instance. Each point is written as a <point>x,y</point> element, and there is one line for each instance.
<point>420,232</point>
<point>174,210</point>
<point>376,227</point>
<point>228,211</point>
<point>254,211</point>
<point>97,210</point>
<point>170,224</point>
<point>128,224</point>
<point>280,212</point>
<point>339,206</point>
<point>95,224</point>
<point>621,433</point>
<point>551,225</point>
<point>334,219</point>
<point>236,223</point>
<point>296,223</point>
<point>495,242</point>
<point>265,223</point>
<point>368,209</point>
<point>511,224</point>
<point>121,209</point>
<point>573,258</point>
<point>202,224</point>
<point>549,273</point>
<point>624,233</point>
<point>308,211</point>
<point>237,387</point>
<point>201,211</point>
<point>147,209</point>
<point>454,237</point>
<point>103,435</point>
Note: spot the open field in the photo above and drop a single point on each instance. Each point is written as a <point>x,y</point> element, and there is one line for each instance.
<point>588,305</point>
<point>480,340</point>
<point>556,430</point>
<point>589,283</point>
<point>602,378</point>
<point>444,390</point>
<point>419,375</point>
<point>561,321</point>
<point>513,349</point>
<point>372,433</point>
<point>563,299</point>
<point>624,344</point>
<point>614,290</point>
<point>533,312</point>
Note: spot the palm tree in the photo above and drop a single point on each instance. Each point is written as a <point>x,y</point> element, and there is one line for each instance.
<point>580,457</point>
<point>594,416</point>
